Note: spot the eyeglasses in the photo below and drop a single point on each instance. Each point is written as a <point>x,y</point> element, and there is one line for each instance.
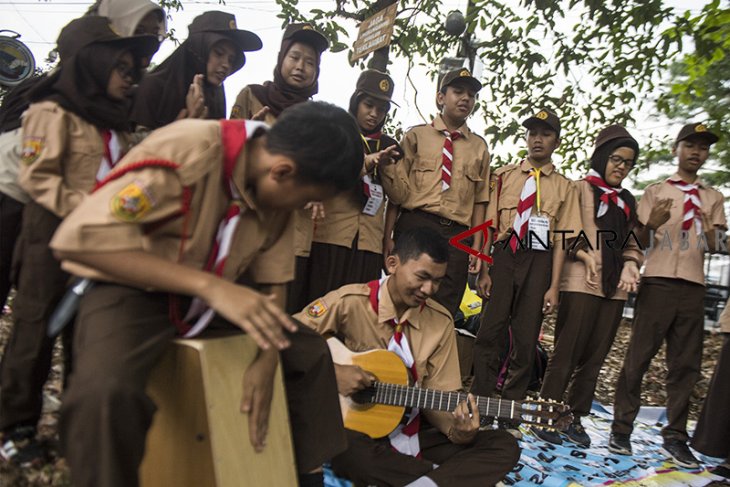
<point>125,70</point>
<point>618,160</point>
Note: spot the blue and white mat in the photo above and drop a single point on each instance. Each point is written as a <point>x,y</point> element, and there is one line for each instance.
<point>569,465</point>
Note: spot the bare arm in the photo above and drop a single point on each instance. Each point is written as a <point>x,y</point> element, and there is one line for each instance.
<point>391,215</point>
<point>477,218</point>
<point>550,301</point>
<point>251,311</point>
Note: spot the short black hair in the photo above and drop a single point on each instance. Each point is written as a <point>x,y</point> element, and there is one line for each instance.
<point>324,142</point>
<point>422,240</point>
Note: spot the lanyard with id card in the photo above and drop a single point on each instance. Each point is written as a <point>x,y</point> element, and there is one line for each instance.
<point>373,190</point>
<point>375,194</point>
<point>538,226</point>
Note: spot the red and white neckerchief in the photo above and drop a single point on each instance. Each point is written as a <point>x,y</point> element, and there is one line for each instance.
<point>528,197</point>
<point>692,205</point>
<point>234,135</point>
<point>112,153</point>
<point>404,438</point>
<point>447,156</point>
<point>609,194</point>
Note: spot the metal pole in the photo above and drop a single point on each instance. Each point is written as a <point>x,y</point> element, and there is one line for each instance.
<point>466,48</point>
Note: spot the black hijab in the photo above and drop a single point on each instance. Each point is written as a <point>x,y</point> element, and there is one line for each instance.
<point>161,94</point>
<point>15,103</point>
<point>280,95</point>
<point>79,85</point>
<point>614,220</point>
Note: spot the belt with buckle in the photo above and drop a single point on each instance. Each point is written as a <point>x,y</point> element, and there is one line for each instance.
<point>437,218</point>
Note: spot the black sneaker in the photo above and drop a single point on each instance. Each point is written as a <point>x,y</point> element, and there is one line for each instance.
<point>548,435</point>
<point>21,447</point>
<point>620,444</point>
<point>577,434</point>
<point>678,452</point>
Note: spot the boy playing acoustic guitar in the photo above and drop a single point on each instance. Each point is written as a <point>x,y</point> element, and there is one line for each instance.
<point>398,314</point>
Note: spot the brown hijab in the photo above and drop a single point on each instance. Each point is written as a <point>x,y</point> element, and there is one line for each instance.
<point>279,95</point>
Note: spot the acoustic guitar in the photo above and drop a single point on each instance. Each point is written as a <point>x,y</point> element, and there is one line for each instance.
<point>379,409</point>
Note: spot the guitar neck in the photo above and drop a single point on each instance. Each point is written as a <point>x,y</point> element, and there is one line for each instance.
<point>415,397</point>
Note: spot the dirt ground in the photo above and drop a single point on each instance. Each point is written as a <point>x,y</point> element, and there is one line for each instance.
<point>653,393</point>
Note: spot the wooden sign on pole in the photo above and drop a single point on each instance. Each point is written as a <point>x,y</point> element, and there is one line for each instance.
<point>375,32</point>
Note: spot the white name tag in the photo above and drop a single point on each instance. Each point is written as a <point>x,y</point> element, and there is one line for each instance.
<point>375,196</point>
<point>538,233</point>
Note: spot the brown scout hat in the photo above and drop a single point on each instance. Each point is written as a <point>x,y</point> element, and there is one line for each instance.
<point>612,132</point>
<point>545,117</point>
<point>696,129</point>
<point>376,84</point>
<point>225,24</point>
<point>462,75</point>
<point>307,34</point>
<point>83,31</point>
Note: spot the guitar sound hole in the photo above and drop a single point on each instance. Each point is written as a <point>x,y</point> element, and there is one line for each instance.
<point>364,396</point>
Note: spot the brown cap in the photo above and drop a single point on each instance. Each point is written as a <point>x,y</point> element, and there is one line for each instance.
<point>612,132</point>
<point>698,130</point>
<point>545,117</point>
<point>81,32</point>
<point>462,75</point>
<point>307,34</point>
<point>225,24</point>
<point>376,84</point>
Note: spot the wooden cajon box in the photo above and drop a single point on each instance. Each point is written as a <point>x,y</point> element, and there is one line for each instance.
<point>199,437</point>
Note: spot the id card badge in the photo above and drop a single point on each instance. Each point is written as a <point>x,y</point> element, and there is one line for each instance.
<point>375,196</point>
<point>538,232</point>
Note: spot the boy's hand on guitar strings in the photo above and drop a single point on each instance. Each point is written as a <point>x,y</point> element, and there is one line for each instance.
<point>466,422</point>
<point>351,378</point>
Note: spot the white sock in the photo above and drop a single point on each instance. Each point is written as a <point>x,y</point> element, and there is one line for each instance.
<point>423,482</point>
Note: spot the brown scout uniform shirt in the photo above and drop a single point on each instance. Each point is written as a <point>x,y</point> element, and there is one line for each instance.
<point>558,201</point>
<point>61,156</point>
<point>677,262</point>
<point>574,271</point>
<point>347,312</point>
<point>414,182</point>
<point>144,209</point>
<point>246,106</point>
<point>344,219</point>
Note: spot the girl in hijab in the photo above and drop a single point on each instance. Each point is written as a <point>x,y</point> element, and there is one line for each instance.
<point>189,83</point>
<point>128,17</point>
<point>596,282</point>
<point>295,81</point>
<point>295,76</point>
<point>73,133</point>
<point>347,245</point>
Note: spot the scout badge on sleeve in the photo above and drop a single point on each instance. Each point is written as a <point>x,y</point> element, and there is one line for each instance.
<point>32,147</point>
<point>131,203</point>
<point>317,309</point>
